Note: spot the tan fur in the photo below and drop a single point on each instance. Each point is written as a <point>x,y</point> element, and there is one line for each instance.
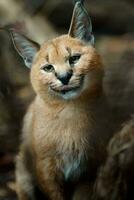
<point>64,139</point>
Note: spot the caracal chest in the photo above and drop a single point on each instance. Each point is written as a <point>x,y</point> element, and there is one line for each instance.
<point>67,132</point>
<point>63,124</point>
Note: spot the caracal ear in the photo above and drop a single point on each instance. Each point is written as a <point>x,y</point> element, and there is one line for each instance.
<point>25,47</point>
<point>81,26</point>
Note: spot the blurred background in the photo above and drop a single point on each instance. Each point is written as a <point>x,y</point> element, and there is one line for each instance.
<point>113,26</point>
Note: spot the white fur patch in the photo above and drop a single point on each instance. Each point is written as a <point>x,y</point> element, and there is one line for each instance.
<point>70,95</point>
<point>73,166</point>
<point>70,169</point>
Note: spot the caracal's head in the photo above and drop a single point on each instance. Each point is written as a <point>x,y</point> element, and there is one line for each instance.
<point>66,67</point>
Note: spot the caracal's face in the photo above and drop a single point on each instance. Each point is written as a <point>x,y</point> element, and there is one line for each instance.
<point>64,67</point>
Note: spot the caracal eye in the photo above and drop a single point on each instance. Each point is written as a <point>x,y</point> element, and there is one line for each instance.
<point>48,68</point>
<point>74,59</point>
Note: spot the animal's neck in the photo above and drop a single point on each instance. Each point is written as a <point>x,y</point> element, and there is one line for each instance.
<point>95,107</point>
<point>86,99</point>
<point>86,119</point>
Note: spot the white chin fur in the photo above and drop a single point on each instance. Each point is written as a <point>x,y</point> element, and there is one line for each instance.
<point>70,95</point>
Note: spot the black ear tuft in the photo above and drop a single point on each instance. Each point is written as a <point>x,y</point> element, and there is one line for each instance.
<point>81,26</point>
<point>25,47</point>
<point>81,1</point>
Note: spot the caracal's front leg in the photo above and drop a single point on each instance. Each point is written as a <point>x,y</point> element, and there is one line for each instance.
<point>50,179</point>
<point>24,179</point>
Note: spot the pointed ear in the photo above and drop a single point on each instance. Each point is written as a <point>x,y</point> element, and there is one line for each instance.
<point>81,26</point>
<point>25,47</point>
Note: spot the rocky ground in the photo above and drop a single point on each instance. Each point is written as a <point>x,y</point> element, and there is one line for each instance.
<point>44,19</point>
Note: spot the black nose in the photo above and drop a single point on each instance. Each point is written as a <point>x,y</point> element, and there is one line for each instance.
<point>65,78</point>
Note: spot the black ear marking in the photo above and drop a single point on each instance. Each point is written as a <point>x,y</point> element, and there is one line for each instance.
<point>25,47</point>
<point>81,26</point>
<point>81,1</point>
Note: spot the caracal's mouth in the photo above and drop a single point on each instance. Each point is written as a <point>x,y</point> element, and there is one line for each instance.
<point>64,89</point>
